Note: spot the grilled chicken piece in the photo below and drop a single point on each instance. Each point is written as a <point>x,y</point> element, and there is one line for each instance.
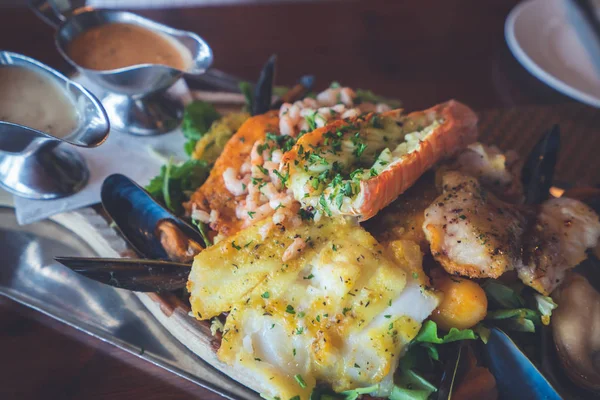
<point>565,228</point>
<point>339,312</point>
<point>331,169</point>
<point>213,194</point>
<point>470,231</point>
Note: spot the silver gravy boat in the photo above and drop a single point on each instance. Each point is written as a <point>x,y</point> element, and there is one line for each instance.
<point>135,98</point>
<point>32,164</point>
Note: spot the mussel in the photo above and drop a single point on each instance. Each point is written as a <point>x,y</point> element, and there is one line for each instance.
<point>573,339</point>
<point>152,230</point>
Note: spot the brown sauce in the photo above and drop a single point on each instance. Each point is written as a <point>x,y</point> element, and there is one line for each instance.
<point>119,45</point>
<point>33,99</point>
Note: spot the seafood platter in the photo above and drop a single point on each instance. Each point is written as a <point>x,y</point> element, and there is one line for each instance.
<point>327,244</point>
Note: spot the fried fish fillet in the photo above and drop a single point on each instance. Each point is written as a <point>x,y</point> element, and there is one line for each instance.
<point>341,312</point>
<point>471,232</point>
<point>213,194</point>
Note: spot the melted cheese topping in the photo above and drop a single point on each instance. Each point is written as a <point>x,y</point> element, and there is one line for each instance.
<point>340,312</point>
<point>327,176</point>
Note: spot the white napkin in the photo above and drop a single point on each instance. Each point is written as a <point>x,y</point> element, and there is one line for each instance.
<point>137,157</point>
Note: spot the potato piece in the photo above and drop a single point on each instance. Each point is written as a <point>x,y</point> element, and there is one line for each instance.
<point>464,303</point>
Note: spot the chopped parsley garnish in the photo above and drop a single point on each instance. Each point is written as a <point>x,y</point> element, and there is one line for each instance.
<point>301,314</point>
<point>289,309</point>
<point>251,214</point>
<point>318,318</point>
<point>257,359</point>
<point>263,170</point>
<point>334,247</point>
<point>310,120</point>
<point>388,316</point>
<point>299,330</point>
<point>300,381</point>
<point>282,178</point>
<point>345,310</point>
<point>324,204</point>
<point>235,246</point>
<point>265,295</point>
<point>309,276</point>
<point>360,149</point>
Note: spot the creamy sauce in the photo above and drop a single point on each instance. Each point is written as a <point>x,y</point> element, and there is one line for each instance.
<point>119,45</point>
<point>35,100</point>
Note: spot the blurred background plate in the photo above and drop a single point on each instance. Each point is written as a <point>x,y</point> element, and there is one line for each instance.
<point>551,39</point>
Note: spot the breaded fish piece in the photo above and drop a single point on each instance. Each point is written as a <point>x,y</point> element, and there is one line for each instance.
<point>340,312</point>
<point>471,232</point>
<point>213,194</point>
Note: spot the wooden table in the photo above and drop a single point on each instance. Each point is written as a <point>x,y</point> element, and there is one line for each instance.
<point>422,52</point>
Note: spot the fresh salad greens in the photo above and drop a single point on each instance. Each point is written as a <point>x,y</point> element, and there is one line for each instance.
<point>514,307</point>
<point>175,183</point>
<point>428,337</point>
<point>197,120</point>
<point>420,359</point>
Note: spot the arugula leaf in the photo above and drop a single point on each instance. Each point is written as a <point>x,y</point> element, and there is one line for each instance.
<point>502,296</point>
<point>174,183</point>
<point>189,146</point>
<point>545,305</point>
<point>517,319</point>
<point>197,119</point>
<point>367,96</point>
<point>411,386</point>
<point>429,334</point>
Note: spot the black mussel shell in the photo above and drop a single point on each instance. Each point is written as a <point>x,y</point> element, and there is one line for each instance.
<point>263,91</point>
<point>137,215</point>
<point>538,170</point>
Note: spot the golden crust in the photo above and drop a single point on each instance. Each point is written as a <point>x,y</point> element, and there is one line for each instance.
<point>213,195</point>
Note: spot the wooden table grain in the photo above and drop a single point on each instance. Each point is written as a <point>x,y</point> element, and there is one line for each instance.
<point>422,52</point>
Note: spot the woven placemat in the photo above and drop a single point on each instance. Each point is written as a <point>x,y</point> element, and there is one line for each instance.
<point>520,128</point>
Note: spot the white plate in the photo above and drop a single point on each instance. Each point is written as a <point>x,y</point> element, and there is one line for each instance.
<point>551,39</point>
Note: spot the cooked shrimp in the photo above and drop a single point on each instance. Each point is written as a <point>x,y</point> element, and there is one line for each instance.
<point>470,231</point>
<point>331,169</point>
<point>565,228</point>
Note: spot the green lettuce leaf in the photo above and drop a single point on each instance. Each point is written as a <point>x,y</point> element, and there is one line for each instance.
<point>411,386</point>
<point>501,295</point>
<point>197,119</point>
<point>518,319</point>
<point>429,334</point>
<point>175,183</point>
